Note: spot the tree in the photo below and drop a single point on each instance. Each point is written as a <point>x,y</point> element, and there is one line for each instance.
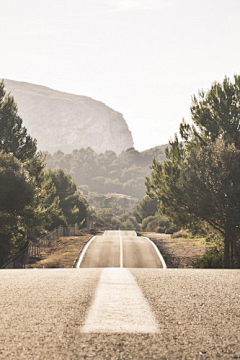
<point>200,180</point>
<point>50,203</point>
<point>13,136</point>
<point>31,201</point>
<point>17,195</point>
<point>216,114</point>
<point>128,222</point>
<point>20,168</point>
<point>73,208</point>
<point>106,219</point>
<point>144,208</point>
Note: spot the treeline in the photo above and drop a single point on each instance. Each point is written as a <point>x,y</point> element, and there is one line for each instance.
<point>32,201</point>
<point>115,211</point>
<point>198,186</point>
<point>108,173</point>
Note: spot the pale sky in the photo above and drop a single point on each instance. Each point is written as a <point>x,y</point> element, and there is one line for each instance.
<point>143,58</point>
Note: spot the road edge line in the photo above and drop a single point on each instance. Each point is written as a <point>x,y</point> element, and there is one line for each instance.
<point>121,249</point>
<point>84,252</point>
<point>158,252</point>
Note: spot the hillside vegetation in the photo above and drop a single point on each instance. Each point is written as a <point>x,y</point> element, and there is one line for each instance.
<point>108,172</point>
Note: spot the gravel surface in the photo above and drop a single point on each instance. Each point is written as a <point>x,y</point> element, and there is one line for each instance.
<point>43,312</point>
<point>198,311</point>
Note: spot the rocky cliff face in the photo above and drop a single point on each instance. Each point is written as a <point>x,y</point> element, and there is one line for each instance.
<point>62,121</point>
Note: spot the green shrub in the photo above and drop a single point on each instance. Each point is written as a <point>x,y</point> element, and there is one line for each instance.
<point>152,226</point>
<point>213,259</point>
<point>158,223</point>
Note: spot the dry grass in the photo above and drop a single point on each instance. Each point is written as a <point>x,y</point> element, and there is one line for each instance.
<point>181,234</point>
<point>63,252</point>
<point>178,252</point>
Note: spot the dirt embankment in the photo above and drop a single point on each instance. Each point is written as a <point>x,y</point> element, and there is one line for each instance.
<point>63,252</point>
<point>177,253</point>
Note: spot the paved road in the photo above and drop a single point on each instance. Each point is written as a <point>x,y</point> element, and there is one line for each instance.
<point>44,315</point>
<point>119,312</point>
<point>121,249</point>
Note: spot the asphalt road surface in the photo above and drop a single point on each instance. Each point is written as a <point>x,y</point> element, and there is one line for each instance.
<point>119,313</point>
<point>120,249</point>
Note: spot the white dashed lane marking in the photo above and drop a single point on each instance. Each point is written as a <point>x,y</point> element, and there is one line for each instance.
<point>119,306</point>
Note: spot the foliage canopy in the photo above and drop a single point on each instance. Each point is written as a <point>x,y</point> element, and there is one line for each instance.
<point>107,173</point>
<point>31,201</point>
<point>199,181</point>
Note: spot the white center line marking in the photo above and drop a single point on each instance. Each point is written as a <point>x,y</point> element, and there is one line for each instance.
<point>121,249</point>
<point>119,306</point>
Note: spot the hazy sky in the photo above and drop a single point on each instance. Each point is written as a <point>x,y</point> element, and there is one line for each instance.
<point>143,58</point>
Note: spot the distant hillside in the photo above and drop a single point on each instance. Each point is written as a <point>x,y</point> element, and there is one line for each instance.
<point>107,172</point>
<point>158,152</point>
<point>62,121</point>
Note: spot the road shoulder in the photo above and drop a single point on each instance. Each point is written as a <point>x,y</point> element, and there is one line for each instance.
<point>177,253</point>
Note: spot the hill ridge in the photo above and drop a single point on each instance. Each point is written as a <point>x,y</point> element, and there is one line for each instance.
<point>65,121</point>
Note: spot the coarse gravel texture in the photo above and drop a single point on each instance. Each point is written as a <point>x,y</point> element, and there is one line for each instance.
<point>43,312</point>
<point>198,311</point>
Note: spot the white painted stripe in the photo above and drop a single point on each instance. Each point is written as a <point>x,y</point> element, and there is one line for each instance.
<point>84,252</point>
<point>119,306</point>
<point>158,252</point>
<point>121,249</point>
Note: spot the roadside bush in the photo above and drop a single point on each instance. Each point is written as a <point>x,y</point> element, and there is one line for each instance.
<point>130,224</point>
<point>104,218</point>
<point>181,234</point>
<point>152,226</point>
<point>157,223</point>
<point>147,221</point>
<point>213,259</point>
<point>160,230</point>
<point>171,229</point>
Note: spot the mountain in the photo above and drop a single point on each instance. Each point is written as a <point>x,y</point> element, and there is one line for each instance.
<point>62,121</point>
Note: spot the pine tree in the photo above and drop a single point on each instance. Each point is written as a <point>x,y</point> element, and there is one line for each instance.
<point>200,180</point>
<point>13,135</point>
<point>17,193</point>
